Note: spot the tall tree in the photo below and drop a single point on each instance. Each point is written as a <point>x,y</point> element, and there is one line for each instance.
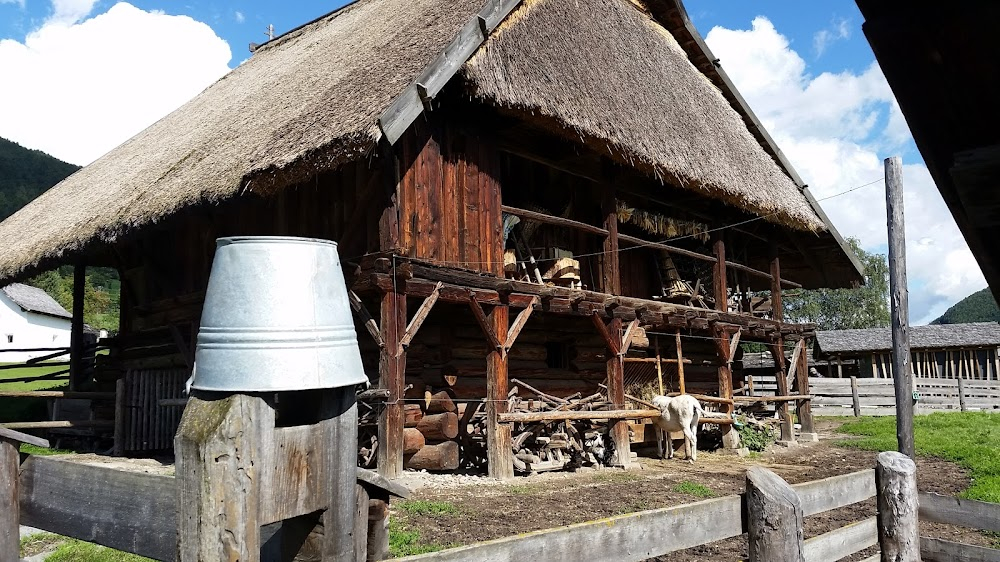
<point>840,309</point>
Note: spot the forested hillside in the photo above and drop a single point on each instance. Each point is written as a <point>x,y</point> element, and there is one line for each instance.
<point>977,307</point>
<point>25,174</point>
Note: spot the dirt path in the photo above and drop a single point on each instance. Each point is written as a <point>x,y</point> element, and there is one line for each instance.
<point>488,510</point>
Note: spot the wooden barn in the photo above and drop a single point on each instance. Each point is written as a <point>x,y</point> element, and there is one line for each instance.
<point>532,199</point>
<point>946,351</point>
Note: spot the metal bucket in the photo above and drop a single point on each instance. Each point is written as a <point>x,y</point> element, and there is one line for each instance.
<point>276,317</point>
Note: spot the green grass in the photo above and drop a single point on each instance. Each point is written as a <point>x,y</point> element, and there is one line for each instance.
<point>38,543</point>
<point>522,489</point>
<point>42,451</point>
<point>633,507</point>
<point>26,409</point>
<point>72,550</point>
<point>427,507</point>
<point>970,439</point>
<point>406,542</point>
<point>29,372</point>
<point>694,489</point>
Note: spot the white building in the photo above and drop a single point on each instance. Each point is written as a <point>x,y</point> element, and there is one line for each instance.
<point>30,319</point>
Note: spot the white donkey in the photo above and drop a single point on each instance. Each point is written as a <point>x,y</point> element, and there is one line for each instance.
<point>680,413</point>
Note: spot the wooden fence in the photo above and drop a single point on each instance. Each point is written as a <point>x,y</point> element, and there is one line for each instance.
<point>876,397</point>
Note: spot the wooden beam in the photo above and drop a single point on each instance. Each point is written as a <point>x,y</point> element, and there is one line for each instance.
<point>680,362</point>
<point>629,335</point>
<point>720,290</point>
<point>610,271</point>
<point>616,387</point>
<point>734,344</point>
<point>553,220</point>
<point>803,408</point>
<point>902,376</point>
<point>418,318</point>
<point>391,376</point>
<point>498,439</point>
<point>518,324</point>
<point>659,365</point>
<point>794,365</point>
<point>10,522</point>
<point>484,323</point>
<point>620,414</point>
<point>777,311</point>
<point>612,342</point>
<point>17,436</point>
<point>366,318</point>
<point>778,353</point>
<point>730,438</point>
<point>76,367</point>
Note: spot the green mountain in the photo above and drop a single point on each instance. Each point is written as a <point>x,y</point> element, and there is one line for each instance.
<point>977,307</point>
<point>25,174</point>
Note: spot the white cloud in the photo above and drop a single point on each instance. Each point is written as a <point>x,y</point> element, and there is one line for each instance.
<point>84,88</point>
<point>835,129</point>
<point>839,29</point>
<point>18,2</point>
<point>240,18</point>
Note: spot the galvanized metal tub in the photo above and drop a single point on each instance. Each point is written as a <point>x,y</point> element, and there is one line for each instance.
<point>276,317</point>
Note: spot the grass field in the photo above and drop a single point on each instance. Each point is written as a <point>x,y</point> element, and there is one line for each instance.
<point>26,409</point>
<point>970,439</point>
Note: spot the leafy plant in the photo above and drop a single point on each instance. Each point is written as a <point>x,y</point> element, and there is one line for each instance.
<point>694,489</point>
<point>755,438</point>
<point>428,507</point>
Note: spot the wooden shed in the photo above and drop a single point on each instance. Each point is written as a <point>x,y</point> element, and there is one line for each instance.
<point>551,191</point>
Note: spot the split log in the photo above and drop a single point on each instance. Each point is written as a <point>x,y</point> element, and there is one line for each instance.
<point>413,440</point>
<point>440,402</point>
<point>412,414</point>
<point>443,456</point>
<point>439,427</point>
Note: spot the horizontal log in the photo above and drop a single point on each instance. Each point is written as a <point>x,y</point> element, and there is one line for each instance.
<point>59,424</point>
<point>704,398</point>
<point>835,492</point>
<point>439,427</point>
<point>57,394</point>
<point>412,414</point>
<point>413,440</point>
<point>12,435</point>
<point>443,456</point>
<point>964,513</point>
<point>440,402</point>
<point>940,550</point>
<point>842,542</point>
<point>787,398</point>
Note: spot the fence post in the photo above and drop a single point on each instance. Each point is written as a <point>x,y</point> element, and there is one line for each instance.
<point>9,516</point>
<point>961,394</point>
<point>774,518</point>
<point>896,488</point>
<point>855,399</point>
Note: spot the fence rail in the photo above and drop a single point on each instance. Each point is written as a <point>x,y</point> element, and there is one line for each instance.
<point>876,397</point>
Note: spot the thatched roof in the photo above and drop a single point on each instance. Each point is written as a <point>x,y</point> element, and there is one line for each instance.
<point>33,299</point>
<point>319,96</point>
<point>604,71</point>
<point>938,336</point>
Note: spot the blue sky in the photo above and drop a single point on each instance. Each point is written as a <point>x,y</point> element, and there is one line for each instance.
<point>82,76</point>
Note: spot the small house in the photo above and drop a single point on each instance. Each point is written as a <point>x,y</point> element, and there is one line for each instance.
<point>32,323</point>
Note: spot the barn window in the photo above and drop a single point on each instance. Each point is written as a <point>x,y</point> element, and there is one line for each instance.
<point>10,338</point>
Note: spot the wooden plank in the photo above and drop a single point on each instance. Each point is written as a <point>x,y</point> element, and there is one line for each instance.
<point>680,361</point>
<point>484,324</point>
<point>64,394</point>
<point>366,318</point>
<point>337,486</point>
<point>524,417</point>
<point>659,364</point>
<point>130,511</point>
<point>777,311</point>
<point>629,335</point>
<point>11,435</point>
<point>778,353</point>
<point>803,408</point>
<point>835,492</point>
<point>720,290</point>
<point>498,439</point>
<point>939,550</point>
<point>418,318</point>
<point>60,424</point>
<point>842,542</point>
<point>794,364</point>
<point>955,511</point>
<point>518,324</point>
<point>632,537</point>
<point>10,519</point>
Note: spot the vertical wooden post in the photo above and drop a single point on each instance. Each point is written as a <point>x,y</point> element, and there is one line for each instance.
<point>719,277</point>
<point>774,518</point>
<point>961,394</point>
<point>903,379</point>
<point>840,368</point>
<point>896,488</point>
<point>680,362</point>
<point>119,443</point>
<point>218,477</point>
<point>360,524</point>
<point>730,438</point>
<point>803,407</point>
<point>391,376</point>
<point>777,312</point>
<point>76,367</point>
<point>659,366</point>
<point>778,353</point>
<point>498,440</point>
<point>378,530</point>
<point>340,463</point>
<point>610,271</point>
<point>855,399</point>
<point>616,393</point>
<point>10,547</point>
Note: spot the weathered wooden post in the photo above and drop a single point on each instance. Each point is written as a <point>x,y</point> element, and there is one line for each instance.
<point>774,518</point>
<point>270,432</point>
<point>961,394</point>
<point>855,398</point>
<point>902,375</point>
<point>898,526</point>
<point>10,465</point>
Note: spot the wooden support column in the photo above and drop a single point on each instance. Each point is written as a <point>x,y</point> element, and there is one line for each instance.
<point>778,353</point>
<point>777,312</point>
<point>610,271</point>
<point>498,440</point>
<point>680,362</point>
<point>391,376</point>
<point>803,407</point>
<point>896,490</point>
<point>730,438</point>
<point>612,334</point>
<point>774,518</point>
<point>900,316</point>
<point>720,289</point>
<point>76,366</point>
<point>10,465</point>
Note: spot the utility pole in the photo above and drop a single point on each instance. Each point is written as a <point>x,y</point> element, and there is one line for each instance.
<point>901,375</point>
